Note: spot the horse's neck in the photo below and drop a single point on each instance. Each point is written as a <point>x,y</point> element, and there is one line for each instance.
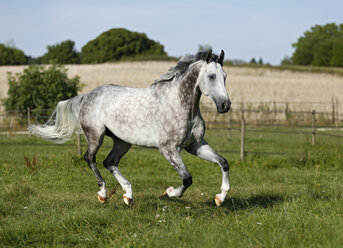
<point>189,92</point>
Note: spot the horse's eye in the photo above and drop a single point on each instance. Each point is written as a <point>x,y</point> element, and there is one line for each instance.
<point>212,76</point>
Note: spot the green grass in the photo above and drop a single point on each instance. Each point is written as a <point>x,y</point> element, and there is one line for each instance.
<point>275,201</point>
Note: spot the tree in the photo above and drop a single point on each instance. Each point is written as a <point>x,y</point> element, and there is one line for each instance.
<point>260,61</point>
<point>319,46</point>
<point>116,44</point>
<point>337,52</point>
<point>10,55</point>
<point>61,53</point>
<point>204,48</point>
<point>40,88</point>
<point>286,61</point>
<point>253,61</point>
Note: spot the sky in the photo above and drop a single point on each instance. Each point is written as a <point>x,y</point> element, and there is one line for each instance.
<point>244,29</point>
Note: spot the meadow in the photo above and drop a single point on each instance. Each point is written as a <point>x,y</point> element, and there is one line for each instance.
<point>48,195</point>
<point>275,201</point>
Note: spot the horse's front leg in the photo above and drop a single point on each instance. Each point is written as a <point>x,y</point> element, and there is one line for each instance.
<point>174,158</point>
<point>203,150</point>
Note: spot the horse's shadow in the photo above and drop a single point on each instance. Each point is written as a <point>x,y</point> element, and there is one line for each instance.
<point>256,201</point>
<point>237,203</point>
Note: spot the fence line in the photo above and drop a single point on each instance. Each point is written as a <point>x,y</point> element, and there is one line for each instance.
<point>335,108</point>
<point>242,124</point>
<point>277,111</point>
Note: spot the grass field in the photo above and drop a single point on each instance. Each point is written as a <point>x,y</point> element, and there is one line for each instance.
<point>275,201</point>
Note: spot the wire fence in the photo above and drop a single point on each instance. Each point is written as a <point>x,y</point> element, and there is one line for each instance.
<point>242,118</point>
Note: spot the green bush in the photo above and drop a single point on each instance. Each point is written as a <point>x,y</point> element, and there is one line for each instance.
<point>118,44</point>
<point>11,56</point>
<point>321,46</point>
<point>40,88</point>
<point>62,53</point>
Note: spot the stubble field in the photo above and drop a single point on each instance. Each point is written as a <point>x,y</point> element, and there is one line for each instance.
<point>244,84</point>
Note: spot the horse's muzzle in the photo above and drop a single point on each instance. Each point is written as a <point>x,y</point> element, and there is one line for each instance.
<point>224,107</point>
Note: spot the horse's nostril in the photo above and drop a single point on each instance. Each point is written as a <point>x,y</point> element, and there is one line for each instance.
<point>226,105</point>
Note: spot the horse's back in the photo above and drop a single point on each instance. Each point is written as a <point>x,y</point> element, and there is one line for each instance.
<point>126,112</point>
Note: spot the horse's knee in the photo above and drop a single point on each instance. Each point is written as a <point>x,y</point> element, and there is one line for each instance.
<point>187,181</point>
<point>85,157</point>
<point>90,158</point>
<point>224,164</point>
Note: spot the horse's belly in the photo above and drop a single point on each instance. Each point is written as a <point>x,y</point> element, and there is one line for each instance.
<point>138,136</point>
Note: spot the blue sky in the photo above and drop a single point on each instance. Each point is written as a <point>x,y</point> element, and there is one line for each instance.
<point>243,29</point>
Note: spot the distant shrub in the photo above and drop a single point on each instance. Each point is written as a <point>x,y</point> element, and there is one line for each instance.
<point>253,61</point>
<point>11,56</point>
<point>118,44</point>
<point>286,61</point>
<point>40,88</point>
<point>61,53</point>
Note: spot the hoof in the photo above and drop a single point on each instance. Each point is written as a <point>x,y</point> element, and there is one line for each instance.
<point>102,199</point>
<point>218,201</point>
<point>168,192</point>
<point>127,200</point>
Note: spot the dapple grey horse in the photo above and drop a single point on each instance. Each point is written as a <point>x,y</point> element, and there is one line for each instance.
<point>164,115</point>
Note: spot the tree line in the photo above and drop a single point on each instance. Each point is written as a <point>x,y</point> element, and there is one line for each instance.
<point>319,46</point>
<point>112,45</point>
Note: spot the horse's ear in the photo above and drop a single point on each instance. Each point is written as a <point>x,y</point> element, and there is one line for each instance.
<point>221,57</point>
<point>209,56</point>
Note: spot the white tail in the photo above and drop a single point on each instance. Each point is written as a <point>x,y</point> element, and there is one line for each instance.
<point>62,123</point>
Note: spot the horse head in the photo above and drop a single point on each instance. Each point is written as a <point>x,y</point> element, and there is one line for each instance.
<point>211,81</point>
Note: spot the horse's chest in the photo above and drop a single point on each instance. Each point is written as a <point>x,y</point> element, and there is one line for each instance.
<point>198,129</point>
<point>195,131</point>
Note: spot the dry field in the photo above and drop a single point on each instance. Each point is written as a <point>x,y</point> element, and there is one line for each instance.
<point>244,84</point>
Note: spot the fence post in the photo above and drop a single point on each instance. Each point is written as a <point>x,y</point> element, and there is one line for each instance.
<point>79,151</point>
<point>29,118</point>
<point>286,110</point>
<point>313,127</point>
<point>337,119</point>
<point>229,126</point>
<point>242,135</point>
<point>333,110</point>
<point>275,113</point>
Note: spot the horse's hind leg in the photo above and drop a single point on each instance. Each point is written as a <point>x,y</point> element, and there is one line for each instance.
<point>120,148</point>
<point>95,138</point>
